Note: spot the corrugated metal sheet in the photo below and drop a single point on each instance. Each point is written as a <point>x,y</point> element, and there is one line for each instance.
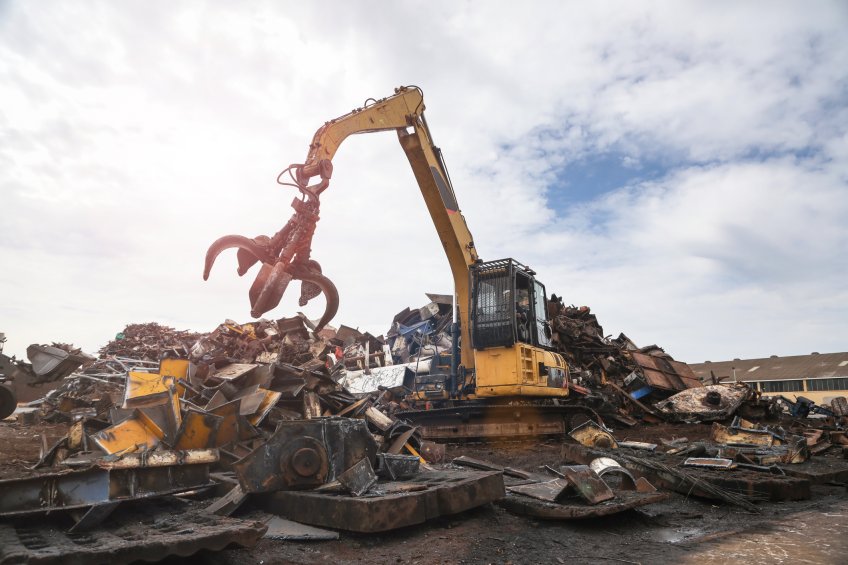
<point>665,374</point>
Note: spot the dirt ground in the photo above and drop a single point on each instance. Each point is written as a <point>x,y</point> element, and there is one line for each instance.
<point>679,530</point>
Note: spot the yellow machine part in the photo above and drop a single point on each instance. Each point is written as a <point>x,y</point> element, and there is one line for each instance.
<point>199,430</point>
<point>228,430</point>
<point>178,369</point>
<point>144,389</point>
<point>515,371</point>
<point>136,431</point>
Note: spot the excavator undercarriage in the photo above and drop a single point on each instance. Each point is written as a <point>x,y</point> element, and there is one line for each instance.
<point>485,420</point>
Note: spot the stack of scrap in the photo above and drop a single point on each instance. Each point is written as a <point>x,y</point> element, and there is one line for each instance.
<point>740,464</point>
<point>359,350</point>
<point>147,342</point>
<point>80,396</point>
<point>264,340</point>
<point>290,340</point>
<point>278,428</point>
<point>422,333</point>
<point>595,360</point>
<point>573,491</point>
<point>612,374</point>
<point>91,391</point>
<point>219,399</point>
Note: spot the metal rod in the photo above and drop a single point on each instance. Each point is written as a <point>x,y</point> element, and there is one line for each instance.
<point>452,383</point>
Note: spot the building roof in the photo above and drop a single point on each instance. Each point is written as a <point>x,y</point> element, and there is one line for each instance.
<point>774,368</point>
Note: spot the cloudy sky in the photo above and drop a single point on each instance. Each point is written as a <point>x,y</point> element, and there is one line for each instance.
<point>682,168</point>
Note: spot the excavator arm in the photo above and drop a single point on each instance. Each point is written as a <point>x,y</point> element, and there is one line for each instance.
<point>286,255</point>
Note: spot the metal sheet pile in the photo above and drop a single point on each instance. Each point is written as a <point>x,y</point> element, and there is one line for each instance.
<point>258,401</point>
<point>147,342</point>
<point>229,390</point>
<point>601,488</point>
<point>610,375</point>
<point>740,463</point>
<point>596,359</point>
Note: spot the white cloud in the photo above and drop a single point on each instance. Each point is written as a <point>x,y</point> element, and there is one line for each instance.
<point>134,134</point>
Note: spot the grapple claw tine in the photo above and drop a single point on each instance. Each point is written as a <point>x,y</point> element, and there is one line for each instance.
<point>330,293</point>
<point>238,241</point>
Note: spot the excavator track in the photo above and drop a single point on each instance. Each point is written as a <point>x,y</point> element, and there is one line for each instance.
<point>498,421</point>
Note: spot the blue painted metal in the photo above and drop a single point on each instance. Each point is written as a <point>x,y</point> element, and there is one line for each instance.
<point>644,391</point>
<point>424,327</point>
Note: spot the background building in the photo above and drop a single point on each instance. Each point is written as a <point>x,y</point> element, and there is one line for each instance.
<point>820,377</point>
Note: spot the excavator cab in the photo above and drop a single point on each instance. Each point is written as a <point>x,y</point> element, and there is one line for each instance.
<point>508,306</point>
<point>510,335</point>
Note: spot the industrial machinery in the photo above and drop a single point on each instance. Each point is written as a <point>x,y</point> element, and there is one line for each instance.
<point>505,379</point>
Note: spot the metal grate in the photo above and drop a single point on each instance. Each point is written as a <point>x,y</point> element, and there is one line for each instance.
<point>493,304</point>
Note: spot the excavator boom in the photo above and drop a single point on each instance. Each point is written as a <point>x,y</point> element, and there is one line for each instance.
<point>286,255</point>
<point>506,358</point>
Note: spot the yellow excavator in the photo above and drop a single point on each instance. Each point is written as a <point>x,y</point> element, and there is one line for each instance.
<point>505,379</point>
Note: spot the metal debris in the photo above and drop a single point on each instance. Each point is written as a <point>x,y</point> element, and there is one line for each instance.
<point>131,477</point>
<point>550,491</point>
<point>391,505</point>
<point>288,530</point>
<point>706,404</point>
<point>592,435</point>
<point>710,462</point>
<point>587,483</point>
<point>306,454</point>
<point>148,530</point>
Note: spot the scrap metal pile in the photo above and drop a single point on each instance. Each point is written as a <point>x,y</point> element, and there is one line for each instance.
<point>229,390</point>
<point>608,374</point>
<point>596,360</point>
<point>147,342</point>
<point>739,463</point>
<point>260,416</point>
<point>255,409</point>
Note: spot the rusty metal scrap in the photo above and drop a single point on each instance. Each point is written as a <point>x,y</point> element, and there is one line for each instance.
<point>128,478</point>
<point>706,404</point>
<point>567,510</point>
<point>306,454</point>
<point>391,505</point>
<point>550,490</point>
<point>710,462</point>
<point>148,342</point>
<point>231,406</point>
<point>595,358</point>
<point>169,530</point>
<point>587,483</point>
